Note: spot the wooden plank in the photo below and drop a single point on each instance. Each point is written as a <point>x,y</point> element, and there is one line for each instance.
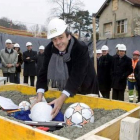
<point>129,129</point>
<point>112,129</point>
<point>12,130</point>
<point>94,137</point>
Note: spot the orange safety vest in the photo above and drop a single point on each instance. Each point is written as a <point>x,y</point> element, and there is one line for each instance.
<point>131,77</point>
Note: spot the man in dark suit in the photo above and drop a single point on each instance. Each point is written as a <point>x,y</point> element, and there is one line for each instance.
<point>67,64</point>
<point>121,69</point>
<point>104,72</point>
<point>29,58</point>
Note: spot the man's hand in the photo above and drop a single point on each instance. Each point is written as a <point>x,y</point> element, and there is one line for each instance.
<point>28,58</point>
<point>58,104</point>
<point>39,99</point>
<point>9,65</point>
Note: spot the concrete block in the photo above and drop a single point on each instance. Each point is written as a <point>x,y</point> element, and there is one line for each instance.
<point>130,128</point>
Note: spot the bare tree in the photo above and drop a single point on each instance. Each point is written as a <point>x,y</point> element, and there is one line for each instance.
<point>34,29</point>
<point>64,8</point>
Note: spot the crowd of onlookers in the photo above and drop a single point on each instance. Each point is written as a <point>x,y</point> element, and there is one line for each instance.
<point>113,71</point>
<point>12,59</point>
<point>118,71</point>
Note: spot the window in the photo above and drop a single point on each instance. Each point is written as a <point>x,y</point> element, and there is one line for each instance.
<point>122,26</point>
<point>108,29</point>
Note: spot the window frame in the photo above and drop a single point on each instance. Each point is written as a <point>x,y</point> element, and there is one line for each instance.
<point>121,26</point>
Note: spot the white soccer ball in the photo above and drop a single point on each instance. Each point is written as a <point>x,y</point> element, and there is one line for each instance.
<point>24,105</point>
<point>78,114</point>
<point>41,112</point>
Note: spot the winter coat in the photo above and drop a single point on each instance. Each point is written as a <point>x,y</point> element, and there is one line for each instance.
<point>40,58</point>
<point>8,58</point>
<point>29,64</point>
<point>137,73</point>
<point>20,61</point>
<point>104,72</point>
<point>82,77</point>
<point>121,68</point>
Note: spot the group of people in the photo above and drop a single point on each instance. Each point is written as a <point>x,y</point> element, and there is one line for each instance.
<point>12,59</point>
<point>118,71</point>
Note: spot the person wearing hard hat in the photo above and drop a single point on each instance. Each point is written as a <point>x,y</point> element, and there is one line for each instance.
<point>29,59</point>
<point>116,50</point>
<point>9,58</point>
<point>40,58</point>
<point>131,78</point>
<point>19,63</point>
<point>67,64</point>
<point>99,53</point>
<point>137,77</point>
<point>104,72</point>
<point>121,68</point>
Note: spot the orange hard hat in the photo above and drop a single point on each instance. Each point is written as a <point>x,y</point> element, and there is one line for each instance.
<point>136,52</point>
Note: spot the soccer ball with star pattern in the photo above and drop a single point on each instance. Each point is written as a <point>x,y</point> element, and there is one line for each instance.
<point>78,114</point>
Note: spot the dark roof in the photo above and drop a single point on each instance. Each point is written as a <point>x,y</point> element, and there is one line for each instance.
<point>106,3</point>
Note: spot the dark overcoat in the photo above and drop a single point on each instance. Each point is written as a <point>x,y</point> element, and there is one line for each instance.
<point>40,58</point>
<point>104,72</point>
<point>29,64</point>
<point>121,69</point>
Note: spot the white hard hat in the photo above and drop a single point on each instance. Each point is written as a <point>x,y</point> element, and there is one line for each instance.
<point>122,47</point>
<point>41,48</point>
<point>8,41</point>
<point>56,27</point>
<point>41,112</point>
<point>28,44</point>
<point>105,48</point>
<point>16,45</point>
<point>99,51</point>
<point>117,46</point>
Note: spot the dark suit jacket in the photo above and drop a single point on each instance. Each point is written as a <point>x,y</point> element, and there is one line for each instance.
<point>29,64</point>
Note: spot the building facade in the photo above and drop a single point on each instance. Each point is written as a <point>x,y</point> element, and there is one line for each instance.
<point>119,18</point>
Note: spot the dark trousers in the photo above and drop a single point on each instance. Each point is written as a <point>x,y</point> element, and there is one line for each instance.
<point>118,94</point>
<point>10,77</point>
<point>32,79</point>
<point>17,77</point>
<point>138,94</point>
<point>105,94</point>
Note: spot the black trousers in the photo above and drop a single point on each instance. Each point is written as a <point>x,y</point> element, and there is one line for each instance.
<point>105,94</point>
<point>10,77</point>
<point>32,79</point>
<point>138,94</point>
<point>118,94</point>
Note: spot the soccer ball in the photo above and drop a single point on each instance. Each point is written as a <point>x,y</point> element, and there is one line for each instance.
<point>78,114</point>
<point>24,105</point>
